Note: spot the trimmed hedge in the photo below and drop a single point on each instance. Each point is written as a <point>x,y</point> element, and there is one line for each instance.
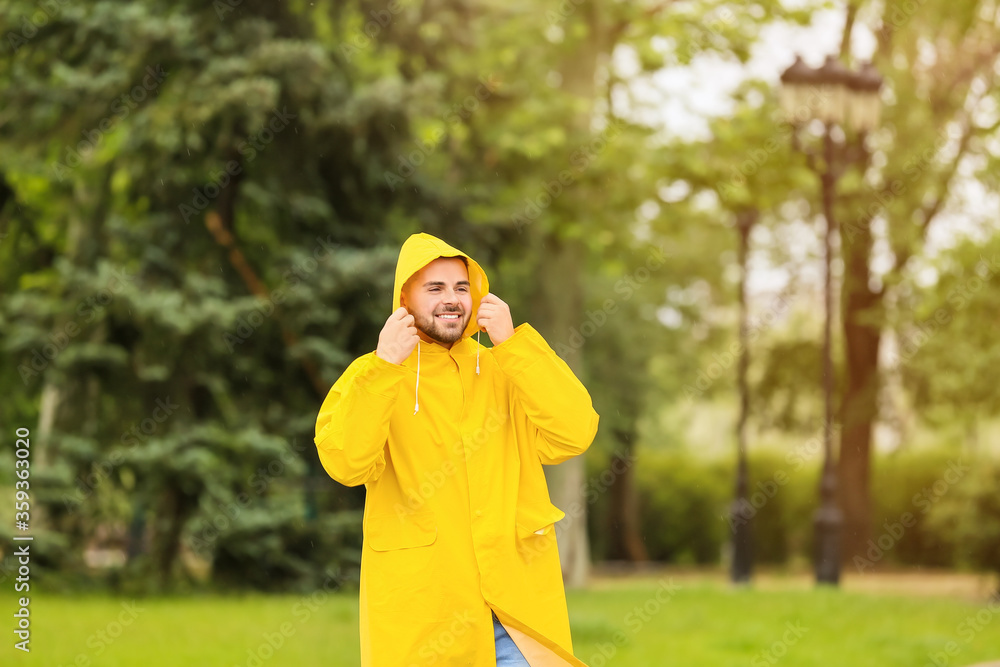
<point>930,508</point>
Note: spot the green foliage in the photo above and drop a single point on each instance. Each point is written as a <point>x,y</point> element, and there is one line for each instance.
<point>930,511</point>
<point>945,340</point>
<point>778,399</point>
<point>970,520</point>
<point>686,504</point>
<point>201,203</point>
<point>204,205</point>
<point>275,550</point>
<point>683,506</point>
<point>174,384</point>
<point>913,484</point>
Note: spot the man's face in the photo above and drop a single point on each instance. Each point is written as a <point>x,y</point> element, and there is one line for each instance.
<point>440,299</point>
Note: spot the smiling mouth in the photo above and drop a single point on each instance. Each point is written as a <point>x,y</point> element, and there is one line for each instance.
<point>449,317</point>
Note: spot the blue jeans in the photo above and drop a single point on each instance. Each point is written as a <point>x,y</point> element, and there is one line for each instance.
<point>508,654</point>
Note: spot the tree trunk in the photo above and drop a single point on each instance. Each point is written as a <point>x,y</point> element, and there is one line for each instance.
<point>862,310</point>
<point>557,309</point>
<point>742,520</point>
<point>623,520</point>
<point>80,415</point>
<point>176,508</point>
<point>559,305</point>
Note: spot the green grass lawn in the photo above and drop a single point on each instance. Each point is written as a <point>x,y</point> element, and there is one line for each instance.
<point>701,623</point>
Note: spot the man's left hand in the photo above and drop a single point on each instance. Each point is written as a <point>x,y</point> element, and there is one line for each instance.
<point>494,319</point>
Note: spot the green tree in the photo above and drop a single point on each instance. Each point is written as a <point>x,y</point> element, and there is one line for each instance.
<point>943,54</point>
<point>151,142</point>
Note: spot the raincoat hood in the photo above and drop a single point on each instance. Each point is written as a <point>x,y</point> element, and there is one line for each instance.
<point>420,250</point>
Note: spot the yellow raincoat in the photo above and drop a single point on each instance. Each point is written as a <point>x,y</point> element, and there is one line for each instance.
<point>458,520</point>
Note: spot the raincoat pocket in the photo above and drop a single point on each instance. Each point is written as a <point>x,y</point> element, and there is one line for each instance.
<point>388,532</point>
<point>537,518</point>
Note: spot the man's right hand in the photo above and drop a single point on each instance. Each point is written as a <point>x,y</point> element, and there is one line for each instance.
<point>398,337</point>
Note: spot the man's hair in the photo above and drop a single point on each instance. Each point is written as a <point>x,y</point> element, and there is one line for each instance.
<point>409,280</point>
<point>464,259</point>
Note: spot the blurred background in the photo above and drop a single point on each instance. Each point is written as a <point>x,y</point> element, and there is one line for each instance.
<point>778,278</point>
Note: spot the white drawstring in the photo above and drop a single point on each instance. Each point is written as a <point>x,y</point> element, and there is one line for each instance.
<point>416,391</point>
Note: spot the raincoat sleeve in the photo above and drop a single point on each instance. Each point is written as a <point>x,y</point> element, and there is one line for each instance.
<point>353,424</point>
<point>552,397</point>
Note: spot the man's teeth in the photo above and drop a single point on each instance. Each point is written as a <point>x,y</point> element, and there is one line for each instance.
<point>453,316</point>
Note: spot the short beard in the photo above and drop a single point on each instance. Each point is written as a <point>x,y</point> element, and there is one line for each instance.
<point>432,329</point>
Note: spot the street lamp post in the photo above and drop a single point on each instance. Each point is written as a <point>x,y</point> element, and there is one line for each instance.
<point>741,512</point>
<point>847,105</point>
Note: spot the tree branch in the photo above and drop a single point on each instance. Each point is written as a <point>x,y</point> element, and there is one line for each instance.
<point>928,212</point>
<point>931,210</point>
<point>845,38</point>
<point>220,227</point>
<point>619,28</point>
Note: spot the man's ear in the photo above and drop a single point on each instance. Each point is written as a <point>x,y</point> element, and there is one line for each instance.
<point>404,291</point>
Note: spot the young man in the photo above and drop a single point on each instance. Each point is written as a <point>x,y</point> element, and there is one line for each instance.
<point>460,565</point>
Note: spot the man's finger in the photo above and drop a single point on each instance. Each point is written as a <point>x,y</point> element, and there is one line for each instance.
<point>399,313</point>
